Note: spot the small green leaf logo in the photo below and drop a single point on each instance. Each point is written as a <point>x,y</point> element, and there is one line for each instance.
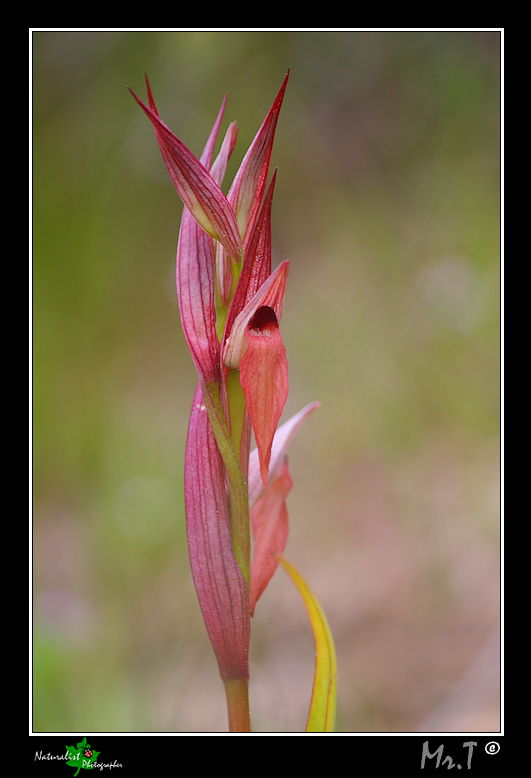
<point>82,757</point>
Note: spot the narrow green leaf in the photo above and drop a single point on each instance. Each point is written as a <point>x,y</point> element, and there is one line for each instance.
<point>322,714</point>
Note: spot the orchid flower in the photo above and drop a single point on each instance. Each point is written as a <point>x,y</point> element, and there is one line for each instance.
<point>231,304</point>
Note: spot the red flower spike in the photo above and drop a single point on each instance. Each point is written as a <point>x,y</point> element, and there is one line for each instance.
<point>269,521</point>
<point>264,379</point>
<point>221,589</point>
<point>198,190</point>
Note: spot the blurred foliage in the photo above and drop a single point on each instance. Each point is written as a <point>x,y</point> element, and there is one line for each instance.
<point>388,205</point>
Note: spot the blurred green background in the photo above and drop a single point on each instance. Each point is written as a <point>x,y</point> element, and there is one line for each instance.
<point>387,203</point>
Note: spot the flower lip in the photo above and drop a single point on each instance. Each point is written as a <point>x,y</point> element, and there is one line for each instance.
<point>263,322</point>
<point>264,380</point>
<point>270,293</point>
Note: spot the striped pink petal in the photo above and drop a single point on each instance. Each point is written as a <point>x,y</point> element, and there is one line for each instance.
<point>195,270</point>
<point>221,589</point>
<point>198,190</point>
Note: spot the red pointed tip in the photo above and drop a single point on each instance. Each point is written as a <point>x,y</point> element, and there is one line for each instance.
<point>264,468</point>
<point>150,111</point>
<point>279,98</point>
<point>140,103</point>
<point>150,96</point>
<point>130,90</point>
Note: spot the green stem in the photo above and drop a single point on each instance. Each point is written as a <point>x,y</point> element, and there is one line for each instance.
<point>237,693</point>
<point>221,305</point>
<point>236,403</point>
<point>237,486</point>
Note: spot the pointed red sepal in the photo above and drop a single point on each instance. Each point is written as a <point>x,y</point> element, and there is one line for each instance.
<point>256,267</point>
<point>269,520</point>
<point>247,189</point>
<point>217,171</point>
<point>198,190</point>
<point>195,269</point>
<point>264,379</point>
<point>195,294</point>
